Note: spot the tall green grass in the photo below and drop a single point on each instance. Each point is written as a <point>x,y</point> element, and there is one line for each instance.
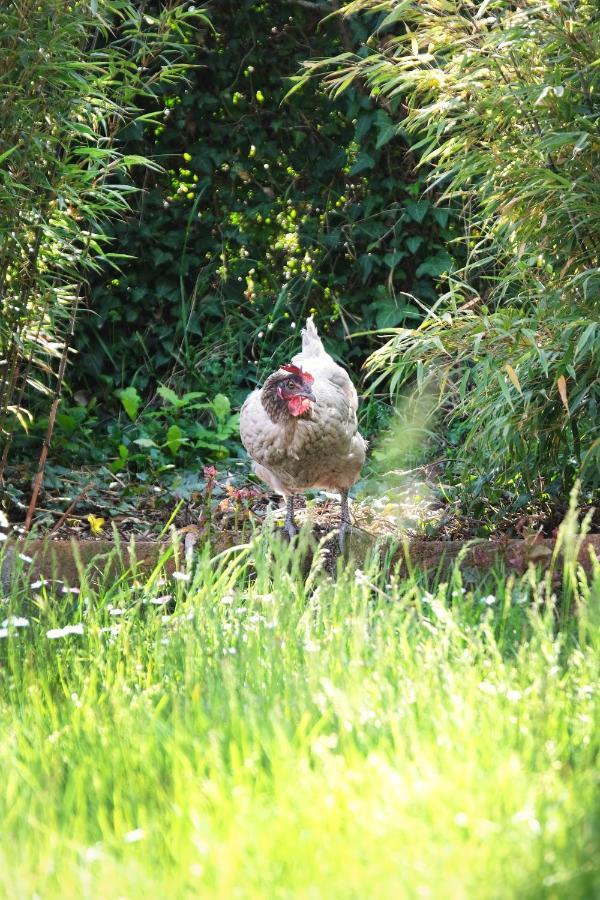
<point>267,733</point>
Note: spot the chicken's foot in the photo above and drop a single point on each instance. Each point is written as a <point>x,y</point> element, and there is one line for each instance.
<point>289,526</point>
<point>345,526</point>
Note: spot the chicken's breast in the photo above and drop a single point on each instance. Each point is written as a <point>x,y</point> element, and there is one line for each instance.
<point>322,449</point>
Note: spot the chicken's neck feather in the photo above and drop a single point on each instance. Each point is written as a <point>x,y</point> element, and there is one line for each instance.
<point>274,405</point>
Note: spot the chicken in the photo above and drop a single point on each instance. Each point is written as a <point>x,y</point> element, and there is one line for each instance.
<point>300,428</point>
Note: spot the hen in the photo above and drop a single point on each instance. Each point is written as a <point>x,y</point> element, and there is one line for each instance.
<point>300,428</point>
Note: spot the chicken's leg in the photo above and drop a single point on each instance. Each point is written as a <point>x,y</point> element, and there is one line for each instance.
<point>290,523</point>
<point>344,521</point>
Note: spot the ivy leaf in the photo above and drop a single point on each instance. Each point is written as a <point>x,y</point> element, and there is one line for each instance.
<point>416,210</point>
<point>392,259</point>
<point>386,129</point>
<point>366,266</point>
<point>363,161</point>
<point>435,265</point>
<point>362,126</point>
<point>414,242</point>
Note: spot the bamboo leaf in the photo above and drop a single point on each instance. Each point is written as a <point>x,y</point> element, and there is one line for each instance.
<point>513,377</point>
<point>562,390</point>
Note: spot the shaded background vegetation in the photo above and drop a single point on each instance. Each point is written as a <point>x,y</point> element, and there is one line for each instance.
<point>269,209</point>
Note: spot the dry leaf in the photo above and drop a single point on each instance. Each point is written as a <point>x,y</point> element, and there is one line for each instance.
<point>562,390</point>
<point>96,524</point>
<point>513,377</point>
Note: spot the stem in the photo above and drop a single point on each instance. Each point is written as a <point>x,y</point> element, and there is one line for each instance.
<point>37,481</point>
<point>70,508</point>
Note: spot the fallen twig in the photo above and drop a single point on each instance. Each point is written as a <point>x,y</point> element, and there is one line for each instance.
<point>70,508</point>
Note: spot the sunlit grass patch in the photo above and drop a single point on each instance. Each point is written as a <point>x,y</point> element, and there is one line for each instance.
<point>254,731</point>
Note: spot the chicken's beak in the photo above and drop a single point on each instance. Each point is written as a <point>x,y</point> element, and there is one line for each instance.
<point>307,393</point>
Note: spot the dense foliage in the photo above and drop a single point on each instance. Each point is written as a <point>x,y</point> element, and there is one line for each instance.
<point>504,98</point>
<point>269,209</point>
<point>71,75</point>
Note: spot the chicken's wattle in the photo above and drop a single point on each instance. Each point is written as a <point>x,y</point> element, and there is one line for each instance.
<point>298,405</point>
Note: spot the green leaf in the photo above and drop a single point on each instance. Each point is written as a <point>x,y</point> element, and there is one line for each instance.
<point>386,129</point>
<point>397,14</point>
<point>174,439</point>
<point>144,442</point>
<point>131,401</point>
<point>392,259</point>
<point>363,125</point>
<point>435,265</point>
<point>416,210</point>
<point>363,161</point>
<point>414,242</point>
<point>169,395</point>
<point>221,406</point>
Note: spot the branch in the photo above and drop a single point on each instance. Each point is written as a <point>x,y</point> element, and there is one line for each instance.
<point>310,4</point>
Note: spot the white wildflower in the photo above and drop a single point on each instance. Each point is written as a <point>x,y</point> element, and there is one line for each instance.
<point>489,600</point>
<point>70,590</point>
<point>25,558</point>
<point>16,622</point>
<point>92,854</point>
<point>63,632</point>
<point>160,601</point>
<point>3,632</point>
<point>181,576</point>
<point>132,837</point>
<point>360,577</point>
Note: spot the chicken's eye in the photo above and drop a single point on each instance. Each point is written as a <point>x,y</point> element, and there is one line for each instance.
<point>291,384</point>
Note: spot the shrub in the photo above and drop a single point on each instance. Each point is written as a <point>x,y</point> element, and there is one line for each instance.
<point>504,100</point>
<point>71,75</point>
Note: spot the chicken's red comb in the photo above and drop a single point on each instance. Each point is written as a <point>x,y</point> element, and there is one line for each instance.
<point>296,370</point>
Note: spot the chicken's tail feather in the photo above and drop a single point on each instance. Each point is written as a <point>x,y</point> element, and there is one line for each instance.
<point>311,342</point>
